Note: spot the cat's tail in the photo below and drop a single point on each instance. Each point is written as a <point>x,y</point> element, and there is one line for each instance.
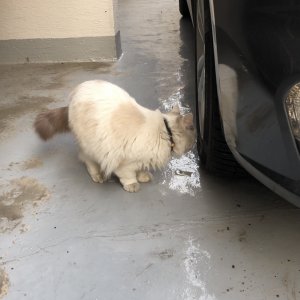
<point>53,121</point>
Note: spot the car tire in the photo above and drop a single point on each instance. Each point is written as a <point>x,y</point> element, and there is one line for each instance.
<point>215,155</point>
<point>183,8</point>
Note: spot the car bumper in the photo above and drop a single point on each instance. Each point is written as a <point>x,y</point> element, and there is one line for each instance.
<point>255,122</point>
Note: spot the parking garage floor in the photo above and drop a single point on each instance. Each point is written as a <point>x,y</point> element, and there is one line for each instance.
<point>186,235</point>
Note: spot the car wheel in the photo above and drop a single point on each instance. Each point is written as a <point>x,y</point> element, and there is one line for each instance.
<point>214,152</point>
<point>183,8</point>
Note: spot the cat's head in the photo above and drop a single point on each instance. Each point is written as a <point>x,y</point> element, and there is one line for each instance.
<point>183,130</point>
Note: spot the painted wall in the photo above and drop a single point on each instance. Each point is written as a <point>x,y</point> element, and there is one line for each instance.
<point>33,21</point>
<point>29,19</point>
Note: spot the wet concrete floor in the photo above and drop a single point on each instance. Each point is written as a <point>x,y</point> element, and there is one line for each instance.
<point>184,236</point>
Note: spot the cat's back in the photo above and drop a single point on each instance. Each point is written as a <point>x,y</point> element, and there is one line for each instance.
<point>95,101</point>
<point>98,90</point>
<point>95,105</point>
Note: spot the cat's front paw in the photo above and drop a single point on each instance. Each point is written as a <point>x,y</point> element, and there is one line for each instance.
<point>132,188</point>
<point>97,178</point>
<point>144,176</point>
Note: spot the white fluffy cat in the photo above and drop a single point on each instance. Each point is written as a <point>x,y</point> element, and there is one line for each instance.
<point>116,134</point>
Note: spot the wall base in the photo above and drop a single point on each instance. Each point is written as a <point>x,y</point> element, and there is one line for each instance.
<point>83,49</point>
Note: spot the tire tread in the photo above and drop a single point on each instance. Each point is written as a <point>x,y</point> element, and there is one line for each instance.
<point>215,155</point>
<point>183,8</point>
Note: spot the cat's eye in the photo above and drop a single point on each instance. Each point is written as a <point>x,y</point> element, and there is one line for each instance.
<point>191,127</point>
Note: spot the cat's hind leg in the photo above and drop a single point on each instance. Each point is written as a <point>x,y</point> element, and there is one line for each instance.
<point>144,176</point>
<point>127,176</point>
<point>92,167</point>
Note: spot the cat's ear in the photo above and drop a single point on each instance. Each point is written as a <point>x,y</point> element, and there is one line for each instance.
<point>175,109</point>
<point>188,121</point>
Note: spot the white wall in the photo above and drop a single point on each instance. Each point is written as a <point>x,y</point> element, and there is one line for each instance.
<point>36,19</point>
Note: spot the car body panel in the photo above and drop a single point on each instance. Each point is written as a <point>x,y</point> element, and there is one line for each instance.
<point>252,85</point>
<point>189,3</point>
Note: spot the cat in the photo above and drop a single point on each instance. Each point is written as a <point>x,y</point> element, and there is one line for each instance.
<point>116,135</point>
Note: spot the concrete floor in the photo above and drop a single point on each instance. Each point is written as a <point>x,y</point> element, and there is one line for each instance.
<point>180,237</point>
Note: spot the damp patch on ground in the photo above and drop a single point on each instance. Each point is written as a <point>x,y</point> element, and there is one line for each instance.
<point>12,111</point>
<point>28,164</point>
<point>15,197</point>
<point>31,164</point>
<point>4,283</point>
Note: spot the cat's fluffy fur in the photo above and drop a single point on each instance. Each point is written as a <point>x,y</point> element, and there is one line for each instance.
<point>116,134</point>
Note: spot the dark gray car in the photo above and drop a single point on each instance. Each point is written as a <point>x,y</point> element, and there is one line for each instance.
<point>248,79</point>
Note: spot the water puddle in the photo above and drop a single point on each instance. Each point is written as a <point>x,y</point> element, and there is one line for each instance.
<point>197,266</point>
<point>182,174</point>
